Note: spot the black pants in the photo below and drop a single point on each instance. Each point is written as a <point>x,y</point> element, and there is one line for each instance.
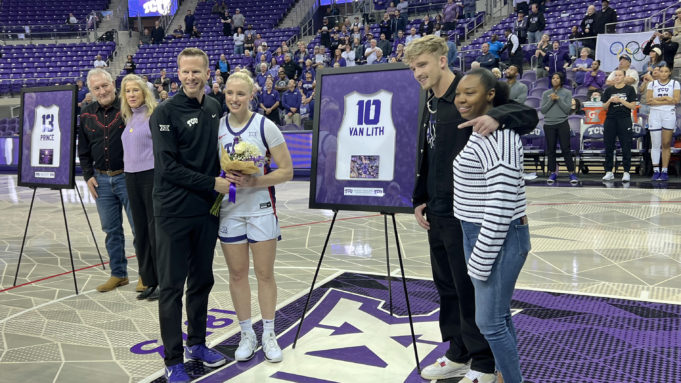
<point>274,116</point>
<point>589,43</point>
<point>140,186</point>
<point>617,127</point>
<point>185,252</point>
<point>447,26</point>
<point>457,297</point>
<point>561,132</point>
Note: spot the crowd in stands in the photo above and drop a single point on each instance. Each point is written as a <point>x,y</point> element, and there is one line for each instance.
<point>573,58</point>
<point>285,76</point>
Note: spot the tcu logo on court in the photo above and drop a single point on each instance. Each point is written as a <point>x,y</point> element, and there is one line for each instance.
<point>595,130</point>
<point>536,132</point>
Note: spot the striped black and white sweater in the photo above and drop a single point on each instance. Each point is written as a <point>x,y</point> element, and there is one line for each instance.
<point>489,190</point>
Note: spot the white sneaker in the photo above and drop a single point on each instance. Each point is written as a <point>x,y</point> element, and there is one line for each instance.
<point>247,346</point>
<point>529,176</point>
<point>625,177</point>
<point>478,377</point>
<point>608,176</point>
<point>271,348</point>
<point>444,368</point>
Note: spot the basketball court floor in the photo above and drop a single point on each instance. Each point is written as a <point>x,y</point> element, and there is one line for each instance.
<point>599,298</point>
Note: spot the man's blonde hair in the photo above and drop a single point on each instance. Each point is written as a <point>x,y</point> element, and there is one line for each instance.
<point>429,44</point>
<point>192,52</point>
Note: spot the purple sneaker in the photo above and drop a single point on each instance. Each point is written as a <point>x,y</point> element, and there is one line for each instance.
<point>656,176</point>
<point>664,176</point>
<point>177,374</point>
<point>552,178</point>
<point>210,358</point>
<point>573,179</point>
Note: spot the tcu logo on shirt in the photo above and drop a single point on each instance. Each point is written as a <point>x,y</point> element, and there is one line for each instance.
<point>192,121</point>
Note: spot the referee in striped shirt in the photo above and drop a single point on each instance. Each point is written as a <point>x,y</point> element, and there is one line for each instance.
<point>442,136</point>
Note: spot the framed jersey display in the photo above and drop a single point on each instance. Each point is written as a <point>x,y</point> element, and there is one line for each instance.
<point>47,137</point>
<point>365,140</point>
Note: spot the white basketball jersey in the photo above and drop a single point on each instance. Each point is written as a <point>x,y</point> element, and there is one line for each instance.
<point>366,138</point>
<point>660,90</point>
<point>251,202</point>
<point>46,137</point>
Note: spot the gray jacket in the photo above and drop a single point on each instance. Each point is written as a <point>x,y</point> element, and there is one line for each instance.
<point>557,111</point>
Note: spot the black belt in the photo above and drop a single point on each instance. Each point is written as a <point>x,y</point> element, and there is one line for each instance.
<point>110,173</point>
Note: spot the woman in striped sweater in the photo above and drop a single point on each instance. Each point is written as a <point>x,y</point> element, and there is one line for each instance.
<point>489,200</point>
<point>137,103</point>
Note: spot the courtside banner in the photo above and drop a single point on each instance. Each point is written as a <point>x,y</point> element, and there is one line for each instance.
<point>609,48</point>
<point>365,141</point>
<point>47,137</point>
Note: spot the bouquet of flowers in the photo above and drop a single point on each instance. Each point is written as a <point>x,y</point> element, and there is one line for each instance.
<point>243,157</point>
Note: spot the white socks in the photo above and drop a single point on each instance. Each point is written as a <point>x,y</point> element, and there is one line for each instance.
<point>246,325</point>
<point>267,325</point>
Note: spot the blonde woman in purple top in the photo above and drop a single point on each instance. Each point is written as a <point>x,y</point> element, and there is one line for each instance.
<point>137,103</point>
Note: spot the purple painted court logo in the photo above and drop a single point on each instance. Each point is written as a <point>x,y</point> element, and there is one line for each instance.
<point>346,331</point>
<point>349,333</point>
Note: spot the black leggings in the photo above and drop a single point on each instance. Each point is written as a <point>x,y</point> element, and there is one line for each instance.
<point>560,132</point>
<point>614,128</point>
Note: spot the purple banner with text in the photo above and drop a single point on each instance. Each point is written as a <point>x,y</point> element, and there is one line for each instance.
<point>47,137</point>
<point>366,139</point>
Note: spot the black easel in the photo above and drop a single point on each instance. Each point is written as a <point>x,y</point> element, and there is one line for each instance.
<point>404,282</point>
<point>68,237</point>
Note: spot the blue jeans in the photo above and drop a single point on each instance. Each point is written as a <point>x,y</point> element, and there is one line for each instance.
<point>238,49</point>
<point>534,37</point>
<point>113,195</point>
<point>493,296</point>
<point>574,48</point>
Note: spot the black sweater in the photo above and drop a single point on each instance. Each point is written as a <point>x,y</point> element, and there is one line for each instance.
<point>185,137</point>
<point>435,179</point>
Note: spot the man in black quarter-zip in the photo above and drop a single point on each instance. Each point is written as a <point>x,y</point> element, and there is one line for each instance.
<point>184,131</point>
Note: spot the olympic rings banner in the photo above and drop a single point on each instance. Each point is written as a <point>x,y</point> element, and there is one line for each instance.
<point>609,48</point>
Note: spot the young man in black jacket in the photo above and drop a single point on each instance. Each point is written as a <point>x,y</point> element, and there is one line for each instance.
<point>184,131</point>
<point>606,16</point>
<point>666,45</point>
<point>443,134</point>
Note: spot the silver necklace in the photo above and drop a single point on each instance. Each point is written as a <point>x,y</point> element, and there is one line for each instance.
<point>431,133</point>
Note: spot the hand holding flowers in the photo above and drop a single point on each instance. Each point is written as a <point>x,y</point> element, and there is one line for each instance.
<point>238,167</point>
